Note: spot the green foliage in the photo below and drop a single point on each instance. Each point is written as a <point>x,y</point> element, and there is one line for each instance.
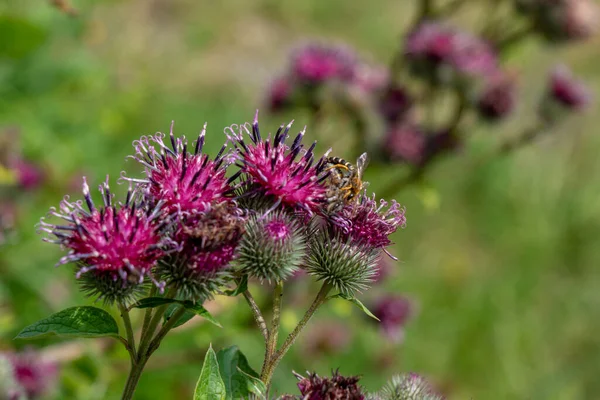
<point>74,322</point>
<point>356,302</point>
<point>191,310</point>
<point>21,37</point>
<point>240,379</point>
<point>210,386</point>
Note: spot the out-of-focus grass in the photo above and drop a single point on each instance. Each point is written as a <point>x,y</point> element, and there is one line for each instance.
<point>504,268</point>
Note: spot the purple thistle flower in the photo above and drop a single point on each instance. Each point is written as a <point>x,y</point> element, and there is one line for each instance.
<point>498,97</point>
<point>314,387</point>
<point>567,91</point>
<point>393,311</point>
<point>115,247</point>
<point>274,169</point>
<point>184,181</point>
<point>315,63</point>
<point>32,375</point>
<point>368,223</point>
<point>205,244</point>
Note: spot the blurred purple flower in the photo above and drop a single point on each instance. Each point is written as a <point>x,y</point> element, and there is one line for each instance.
<point>279,94</point>
<point>439,44</point>
<point>328,337</point>
<point>116,246</point>
<point>316,63</point>
<point>394,103</point>
<point>184,181</point>
<point>371,78</point>
<point>406,142</point>
<point>499,96</point>
<point>368,223</point>
<point>567,91</point>
<point>393,311</point>
<point>33,375</point>
<point>274,169</point>
<point>29,175</point>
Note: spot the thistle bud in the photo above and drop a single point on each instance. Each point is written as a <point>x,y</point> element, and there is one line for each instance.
<point>408,387</point>
<point>273,247</point>
<point>349,267</point>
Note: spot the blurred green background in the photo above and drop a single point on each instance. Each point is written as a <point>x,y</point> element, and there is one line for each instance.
<point>501,258</point>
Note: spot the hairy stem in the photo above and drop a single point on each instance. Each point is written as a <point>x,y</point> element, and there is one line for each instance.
<point>267,374</point>
<point>271,344</point>
<point>129,330</point>
<point>164,330</point>
<point>258,317</point>
<point>148,333</point>
<point>137,367</point>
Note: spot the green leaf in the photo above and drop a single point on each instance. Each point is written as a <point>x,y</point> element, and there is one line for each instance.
<point>197,309</point>
<point>356,302</point>
<point>210,386</point>
<point>86,322</point>
<point>151,302</point>
<point>239,378</point>
<point>241,287</point>
<point>192,309</point>
<point>187,315</point>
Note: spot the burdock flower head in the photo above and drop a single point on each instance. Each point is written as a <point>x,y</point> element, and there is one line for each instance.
<point>114,246</point>
<point>369,223</point>
<point>314,387</point>
<point>205,244</point>
<point>273,247</point>
<point>407,387</point>
<point>183,180</point>
<point>286,174</point>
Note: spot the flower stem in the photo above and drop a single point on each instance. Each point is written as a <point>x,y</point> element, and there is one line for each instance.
<point>321,298</point>
<point>271,343</point>
<point>164,330</point>
<point>129,330</point>
<point>258,317</point>
<point>135,373</point>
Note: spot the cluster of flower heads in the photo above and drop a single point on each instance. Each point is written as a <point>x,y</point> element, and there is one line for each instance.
<point>392,106</point>
<point>259,208</point>
<point>25,376</point>
<point>401,387</point>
